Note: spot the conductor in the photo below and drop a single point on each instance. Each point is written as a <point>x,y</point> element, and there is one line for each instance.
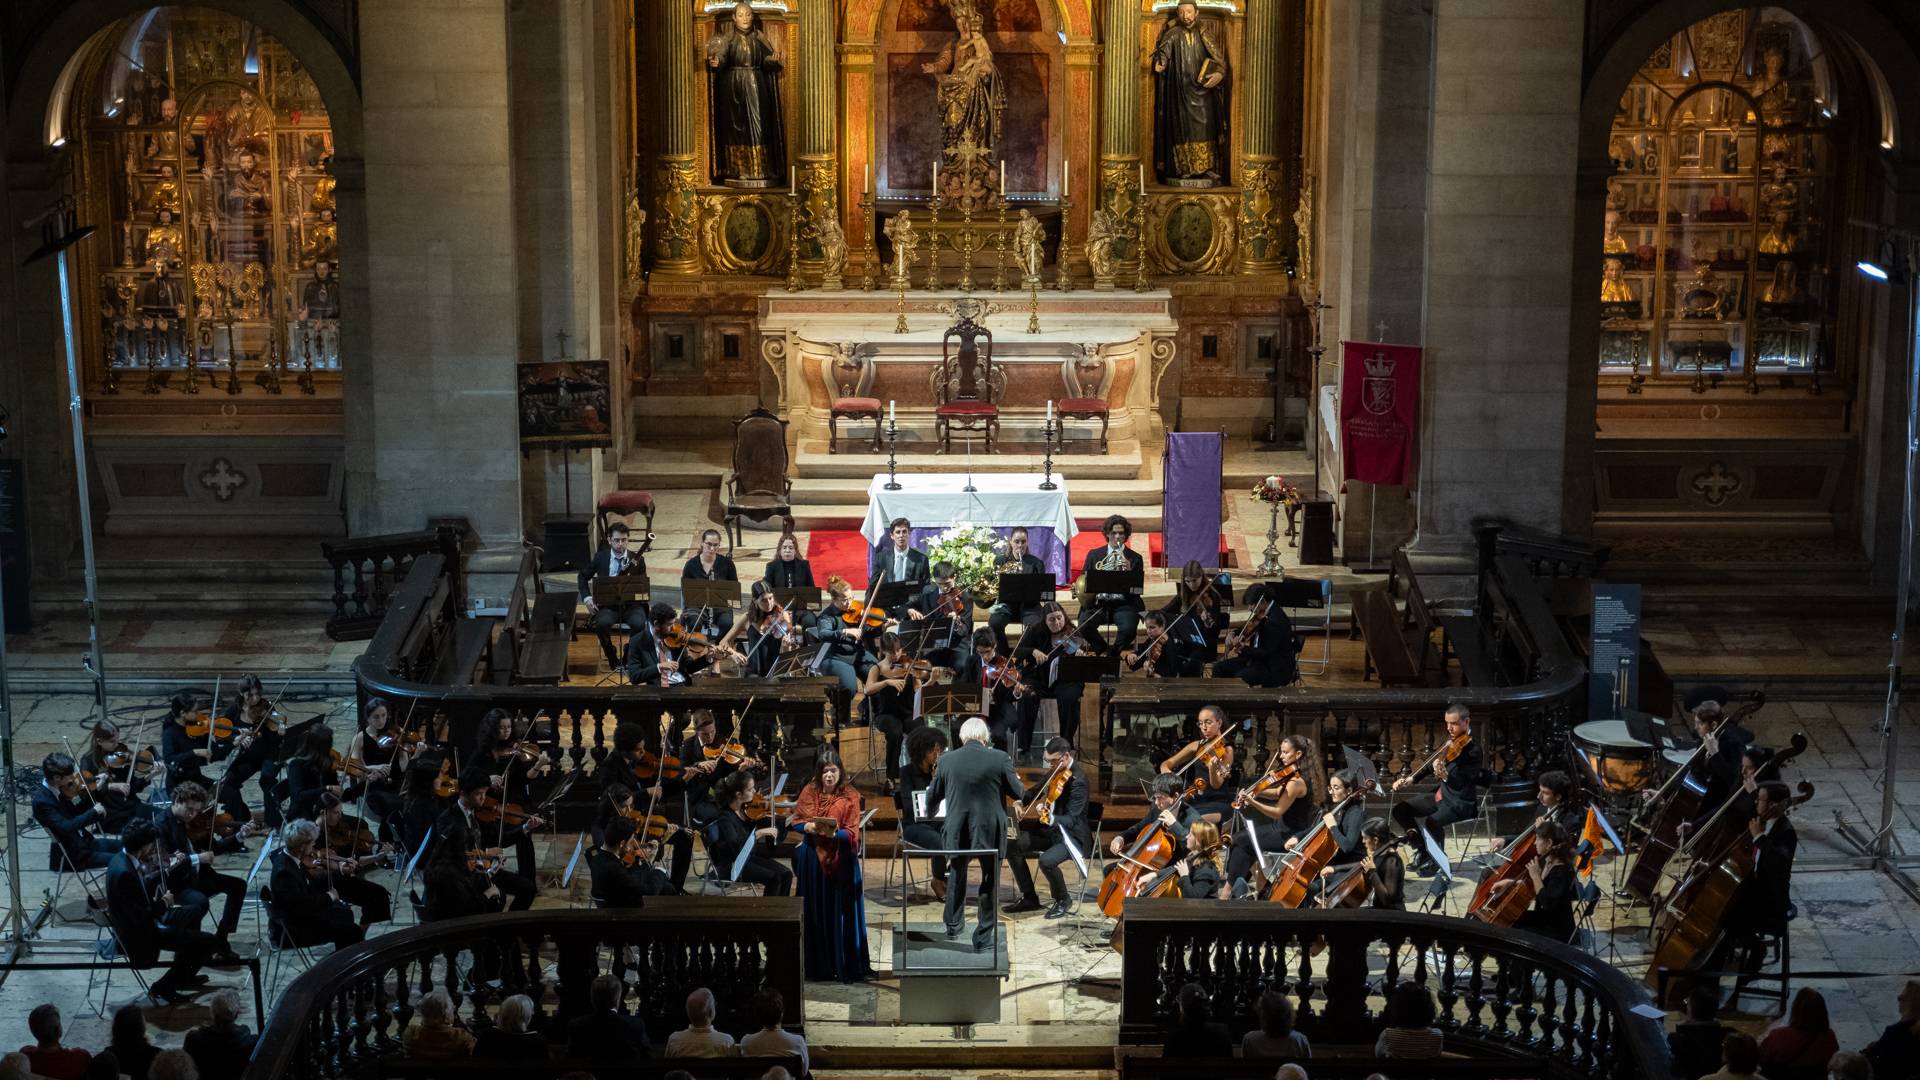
<point>974,781</point>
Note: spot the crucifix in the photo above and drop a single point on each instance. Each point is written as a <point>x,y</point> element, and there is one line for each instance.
<point>1380,328</point>
<point>562,335</point>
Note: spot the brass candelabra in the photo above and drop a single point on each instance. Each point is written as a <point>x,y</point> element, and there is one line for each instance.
<point>870,251</point>
<point>934,206</point>
<point>794,284</point>
<point>1137,217</point>
<point>1063,278</point>
<point>1000,246</point>
<point>306,360</point>
<point>154,377</point>
<point>969,242</point>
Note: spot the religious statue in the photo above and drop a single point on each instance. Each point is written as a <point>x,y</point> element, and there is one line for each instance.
<point>1303,230</point>
<point>165,192</point>
<point>161,305</point>
<point>1190,121</point>
<point>905,241</point>
<point>833,249</point>
<point>320,299</point>
<point>1613,243</point>
<point>1779,238</point>
<point>1613,284</point>
<point>636,223</point>
<point>323,240</point>
<point>971,98</point>
<point>165,241</point>
<point>1784,288</point>
<point>1102,230</point>
<point>1028,237</point>
<point>245,207</point>
<point>743,71</point>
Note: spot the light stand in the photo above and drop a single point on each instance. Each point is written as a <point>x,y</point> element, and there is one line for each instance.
<point>893,435</point>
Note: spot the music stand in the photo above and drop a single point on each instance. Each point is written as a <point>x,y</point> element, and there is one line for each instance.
<point>896,594</point>
<point>795,663</point>
<point>802,597</point>
<point>698,594</point>
<point>1087,669</point>
<point>1116,582</point>
<point>1647,728</point>
<point>617,592</point>
<point>1022,591</point>
<point>951,699</point>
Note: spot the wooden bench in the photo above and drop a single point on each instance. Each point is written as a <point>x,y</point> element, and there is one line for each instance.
<point>1466,642</point>
<point>1385,640</point>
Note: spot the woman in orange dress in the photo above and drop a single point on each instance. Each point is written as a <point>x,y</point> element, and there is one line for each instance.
<point>826,870</point>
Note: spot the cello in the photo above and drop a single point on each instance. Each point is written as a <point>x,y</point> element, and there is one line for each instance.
<point>1713,835</point>
<point>1675,802</point>
<point>1505,893</point>
<point>1349,885</point>
<point>1315,850</point>
<point>1152,852</point>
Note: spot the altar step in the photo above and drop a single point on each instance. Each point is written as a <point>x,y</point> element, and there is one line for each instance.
<point>216,575</point>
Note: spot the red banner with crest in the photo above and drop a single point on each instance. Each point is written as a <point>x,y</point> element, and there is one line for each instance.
<point>1379,410</point>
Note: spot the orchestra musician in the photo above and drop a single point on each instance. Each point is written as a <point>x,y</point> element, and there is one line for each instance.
<point>1554,884</point>
<point>1559,803</point>
<point>1197,615</point>
<point>378,746</point>
<point>1200,875</point>
<point>512,764</point>
<point>1158,653</point>
<point>64,809</point>
<point>899,561</point>
<point>756,640</point>
<point>1268,656</point>
<point>1386,871</point>
<point>460,831</point>
<point>731,831</point>
<point>1741,805</point>
<point>1001,700</point>
<point>185,756</point>
<point>709,565</point>
<point>841,656</point>
<point>340,835</point>
<point>611,561</point>
<point>1018,560</point>
<point>891,690</point>
<point>147,920</point>
<point>306,904</point>
<point>1763,903</point>
<point>1049,842</point>
<point>420,804</point>
<point>1717,766</point>
<point>1348,827</point>
<point>119,788</point>
<point>1051,638</point>
<point>456,888</point>
<point>257,746</point>
<point>1280,817</point>
<point>667,797</point>
<point>1165,794</point>
<point>1123,611</point>
<point>310,774</point>
<point>622,868</point>
<point>649,662</point>
<point>924,748</point>
<point>787,570</point>
<point>703,764</point>
<point>1216,797</point>
<point>190,873</point>
<point>1456,799</point>
<point>946,610</point>
<point>974,781</point>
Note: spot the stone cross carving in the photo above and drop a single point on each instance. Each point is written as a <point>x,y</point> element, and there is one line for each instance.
<point>222,479</point>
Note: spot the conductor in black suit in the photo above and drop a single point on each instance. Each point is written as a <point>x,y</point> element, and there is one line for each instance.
<point>614,560</point>
<point>788,570</point>
<point>974,781</point>
<point>1267,660</point>
<point>900,562</point>
<point>1123,611</point>
<point>1018,561</point>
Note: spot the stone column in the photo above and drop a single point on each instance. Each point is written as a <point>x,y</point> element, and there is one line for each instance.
<point>1263,213</point>
<point>1506,115</point>
<point>1119,115</point>
<point>676,206</point>
<point>819,113</point>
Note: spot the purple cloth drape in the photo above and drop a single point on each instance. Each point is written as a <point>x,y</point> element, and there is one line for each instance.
<point>1043,542</point>
<point>1190,497</point>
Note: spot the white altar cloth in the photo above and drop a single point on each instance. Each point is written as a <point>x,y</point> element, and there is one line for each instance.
<point>933,501</point>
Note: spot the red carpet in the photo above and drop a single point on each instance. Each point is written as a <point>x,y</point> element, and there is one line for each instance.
<point>844,552</point>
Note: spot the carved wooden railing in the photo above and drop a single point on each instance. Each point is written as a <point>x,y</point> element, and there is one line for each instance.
<point>1502,993</point>
<point>366,570</point>
<point>344,1016</point>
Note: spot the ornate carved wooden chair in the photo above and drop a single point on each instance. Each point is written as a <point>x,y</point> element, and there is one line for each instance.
<point>853,382</point>
<point>759,487</point>
<point>966,385</point>
<point>1084,378</point>
<point>626,502</point>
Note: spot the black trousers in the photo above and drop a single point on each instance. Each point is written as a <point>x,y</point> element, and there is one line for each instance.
<point>337,928</point>
<point>1125,619</point>
<point>1273,836</point>
<point>1255,673</point>
<point>989,907</point>
<point>1066,699</point>
<point>373,900</point>
<point>766,871</point>
<point>1431,815</point>
<point>631,616</point>
<point>1000,616</point>
<point>519,891</point>
<point>261,758</point>
<point>190,945</point>
<point>208,883</point>
<point>1052,852</point>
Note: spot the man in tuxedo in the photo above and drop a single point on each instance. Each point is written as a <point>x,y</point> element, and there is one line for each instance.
<point>307,908</point>
<point>190,875</point>
<point>460,830</point>
<point>147,921</point>
<point>1267,660</point>
<point>1456,799</point>
<point>1069,821</point>
<point>899,561</point>
<point>616,884</point>
<point>612,561</point>
<point>68,818</point>
<point>1716,766</point>
<point>974,781</point>
<point>948,631</point>
<point>1122,610</point>
<point>1018,561</point>
<point>648,662</point>
<point>1763,904</point>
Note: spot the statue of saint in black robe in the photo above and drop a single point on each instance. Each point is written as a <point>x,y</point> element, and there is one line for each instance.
<point>744,72</point>
<point>1190,107</point>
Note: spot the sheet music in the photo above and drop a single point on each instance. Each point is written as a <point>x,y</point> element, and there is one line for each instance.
<point>920,806</point>
<point>1073,849</point>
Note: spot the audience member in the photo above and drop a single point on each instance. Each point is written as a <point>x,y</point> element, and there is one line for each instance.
<point>772,1040</point>
<point>1290,1072</point>
<point>1739,1056</point>
<point>1275,1037</point>
<point>1695,1042</point>
<point>698,1038</point>
<point>15,1066</point>
<point>221,1047</point>
<point>606,1033</point>
<point>1847,1065</point>
<point>46,1056</point>
<point>173,1065</point>
<point>1410,1032</point>
<point>511,1038</point>
<point>678,1074</point>
<point>1194,1034</point>
<point>132,1051</point>
<point>1799,1045</point>
<point>104,1067</point>
<point>434,1034</point>
<point>1897,1050</point>
<point>778,1072</point>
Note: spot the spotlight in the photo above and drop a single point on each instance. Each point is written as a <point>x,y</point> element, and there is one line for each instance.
<point>1873,270</point>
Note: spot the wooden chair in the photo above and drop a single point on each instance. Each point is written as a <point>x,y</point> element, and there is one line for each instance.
<point>759,487</point>
<point>626,502</point>
<point>1084,377</point>
<point>965,385</point>
<point>853,399</point>
<point>852,408</point>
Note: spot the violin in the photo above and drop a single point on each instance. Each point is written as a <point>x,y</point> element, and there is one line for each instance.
<point>406,742</point>
<point>1041,808</point>
<point>952,602</point>
<point>350,766</point>
<point>199,724</point>
<point>1149,660</point>
<point>446,785</point>
<point>865,616</point>
<point>213,823</point>
<point>732,752</point>
<point>140,765</point>
<point>691,644</point>
<point>910,669</point>
<point>649,825</point>
<point>485,860</point>
<point>350,838</point>
<point>1449,753</point>
<point>1279,776</point>
<point>492,811</point>
<point>1244,636</point>
<point>1003,675</point>
<point>632,851</point>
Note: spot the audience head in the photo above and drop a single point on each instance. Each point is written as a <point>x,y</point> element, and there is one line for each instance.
<point>1703,1004</point>
<point>1411,1006</point>
<point>1276,1014</point>
<point>606,992</point>
<point>104,1066</point>
<point>1290,1071</point>
<point>768,1007</point>
<point>173,1065</point>
<point>700,1007</point>
<point>515,1014</point>
<point>44,1023</point>
<point>224,1008</point>
<point>1808,1012</point>
<point>975,730</point>
<point>1910,1001</point>
<point>16,1066</point>
<point>129,1026</point>
<point>1740,1054</point>
<point>778,1072</point>
<point>1847,1065</point>
<point>436,1008</point>
<point>1192,1004</point>
<point>678,1074</point>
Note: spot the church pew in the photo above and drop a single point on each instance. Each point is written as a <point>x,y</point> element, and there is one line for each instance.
<point>1466,643</point>
<point>1385,641</point>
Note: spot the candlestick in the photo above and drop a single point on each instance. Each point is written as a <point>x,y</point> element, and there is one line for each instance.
<point>893,437</point>
<point>870,251</point>
<point>1046,435</point>
<point>1142,170</point>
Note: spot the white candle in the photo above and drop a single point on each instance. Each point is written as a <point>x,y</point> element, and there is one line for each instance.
<point>1064,185</point>
<point>1003,176</point>
<point>793,179</point>
<point>1143,178</point>
<point>1049,413</point>
<point>866,185</point>
<point>889,413</point>
<point>936,177</point>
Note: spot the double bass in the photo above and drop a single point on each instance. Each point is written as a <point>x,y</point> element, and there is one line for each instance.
<point>1716,832</point>
<point>1677,801</point>
<point>1315,849</point>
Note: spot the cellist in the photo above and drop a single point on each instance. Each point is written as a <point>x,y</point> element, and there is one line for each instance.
<point>1559,803</point>
<point>1456,799</point>
<point>1282,815</point>
<point>1717,766</point>
<point>1763,900</point>
<point>1216,797</point>
<point>1166,792</point>
<point>1554,883</point>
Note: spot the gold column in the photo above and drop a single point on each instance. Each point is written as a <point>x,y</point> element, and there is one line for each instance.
<point>819,177</point>
<point>1263,181</point>
<point>676,206</point>
<point>1119,122</point>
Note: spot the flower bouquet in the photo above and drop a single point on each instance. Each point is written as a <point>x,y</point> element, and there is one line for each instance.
<point>1275,489</point>
<point>975,552</point>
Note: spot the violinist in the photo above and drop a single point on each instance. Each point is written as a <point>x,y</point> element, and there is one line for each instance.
<point>420,804</point>
<point>898,561</point>
<point>1196,614</point>
<point>257,746</point>
<point>616,801</point>
<point>338,832</point>
<point>1265,652</point>
<point>1200,875</point>
<point>1558,802</point>
<point>622,868</point>
<point>1282,813</point>
<point>512,764</point>
<point>119,780</point>
<point>1216,770</point>
<point>190,873</point>
<point>639,748</point>
<point>841,656</point>
<point>460,832</point>
<point>1039,652</point>
<point>311,773</point>
<point>946,610</point>
<point>1554,884</point>
<point>1018,560</point>
<point>788,570</point>
<point>755,641</point>
<point>1457,798</point>
<point>147,920</point>
<point>68,813</point>
<point>1123,611</point>
<point>1158,653</point>
<point>708,564</point>
<point>703,764</point>
<point>891,692</point>
<point>185,756</point>
<point>381,750</point>
<point>924,748</point>
<point>1050,841</point>
<point>615,560</point>
<point>1166,793</point>
<point>1000,691</point>
<point>650,662</point>
<point>455,888</point>
<point>731,831</point>
<point>306,906</point>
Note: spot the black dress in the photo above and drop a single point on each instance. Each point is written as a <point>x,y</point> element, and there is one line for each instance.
<point>1552,912</point>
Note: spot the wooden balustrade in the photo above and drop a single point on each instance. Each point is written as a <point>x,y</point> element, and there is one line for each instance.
<point>344,1016</point>
<point>366,570</point>
<point>1501,993</point>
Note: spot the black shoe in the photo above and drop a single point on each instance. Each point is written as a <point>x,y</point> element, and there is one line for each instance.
<point>1059,910</point>
<point>166,999</point>
<point>1022,906</point>
<point>1425,867</point>
<point>953,932</point>
<point>225,958</point>
<point>197,980</point>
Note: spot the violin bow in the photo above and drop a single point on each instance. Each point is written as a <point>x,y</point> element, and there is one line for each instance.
<point>213,709</point>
